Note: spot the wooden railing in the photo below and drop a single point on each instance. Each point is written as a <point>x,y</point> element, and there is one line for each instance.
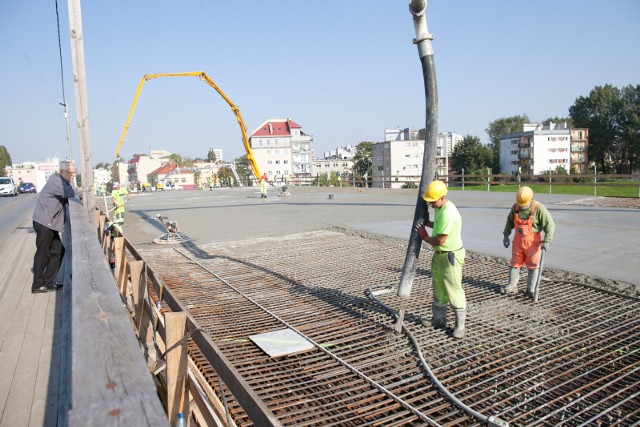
<point>162,325</point>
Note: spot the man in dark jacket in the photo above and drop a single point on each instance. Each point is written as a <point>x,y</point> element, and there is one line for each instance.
<point>49,217</point>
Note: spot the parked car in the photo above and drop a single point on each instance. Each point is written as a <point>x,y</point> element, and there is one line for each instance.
<point>7,187</point>
<point>26,187</point>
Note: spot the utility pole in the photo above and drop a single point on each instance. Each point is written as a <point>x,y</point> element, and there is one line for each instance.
<point>423,40</point>
<point>82,105</point>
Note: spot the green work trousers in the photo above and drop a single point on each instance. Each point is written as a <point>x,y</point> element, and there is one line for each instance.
<point>447,279</point>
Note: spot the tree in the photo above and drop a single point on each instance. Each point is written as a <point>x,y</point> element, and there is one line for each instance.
<point>5,159</point>
<point>630,124</point>
<point>243,168</point>
<point>362,158</point>
<point>211,156</point>
<point>560,120</point>
<point>613,119</point>
<point>503,126</point>
<point>176,158</point>
<point>471,155</point>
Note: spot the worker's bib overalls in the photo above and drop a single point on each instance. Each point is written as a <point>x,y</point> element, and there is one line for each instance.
<point>527,244</point>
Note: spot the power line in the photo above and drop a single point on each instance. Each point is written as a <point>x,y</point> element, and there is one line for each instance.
<point>64,101</point>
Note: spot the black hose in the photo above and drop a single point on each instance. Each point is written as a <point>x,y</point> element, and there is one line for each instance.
<point>490,420</point>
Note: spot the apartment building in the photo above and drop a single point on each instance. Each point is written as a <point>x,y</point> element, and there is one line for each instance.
<point>544,147</point>
<point>281,148</point>
<point>398,160</point>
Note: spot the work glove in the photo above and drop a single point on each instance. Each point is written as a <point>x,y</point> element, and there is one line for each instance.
<point>506,241</point>
<point>545,246</point>
<point>422,232</point>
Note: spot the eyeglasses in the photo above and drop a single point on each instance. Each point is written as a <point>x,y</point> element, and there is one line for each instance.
<point>69,172</point>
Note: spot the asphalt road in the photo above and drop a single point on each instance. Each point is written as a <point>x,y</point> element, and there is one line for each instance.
<point>14,211</point>
<point>603,242</point>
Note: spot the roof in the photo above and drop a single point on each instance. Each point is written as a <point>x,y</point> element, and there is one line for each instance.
<point>276,127</point>
<point>164,169</point>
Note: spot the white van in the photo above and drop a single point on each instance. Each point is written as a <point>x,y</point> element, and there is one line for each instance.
<point>7,186</point>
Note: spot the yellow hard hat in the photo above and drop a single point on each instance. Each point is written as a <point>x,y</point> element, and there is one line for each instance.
<point>435,191</point>
<point>524,196</point>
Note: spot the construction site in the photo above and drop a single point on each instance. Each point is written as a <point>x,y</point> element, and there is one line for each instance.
<point>298,294</point>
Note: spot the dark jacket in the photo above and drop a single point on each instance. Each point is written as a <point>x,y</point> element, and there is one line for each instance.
<point>50,209</point>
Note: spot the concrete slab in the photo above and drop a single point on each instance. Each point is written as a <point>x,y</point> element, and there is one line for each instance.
<point>603,242</point>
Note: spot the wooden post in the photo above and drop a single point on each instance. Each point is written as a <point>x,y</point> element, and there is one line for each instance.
<point>140,292</point>
<point>120,271</point>
<point>175,324</point>
<point>82,103</point>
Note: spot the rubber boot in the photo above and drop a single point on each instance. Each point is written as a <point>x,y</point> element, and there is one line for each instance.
<point>532,279</point>
<point>439,316</point>
<point>514,277</point>
<point>461,315</point>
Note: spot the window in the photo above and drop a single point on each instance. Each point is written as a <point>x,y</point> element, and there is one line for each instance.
<point>277,162</point>
<point>269,162</point>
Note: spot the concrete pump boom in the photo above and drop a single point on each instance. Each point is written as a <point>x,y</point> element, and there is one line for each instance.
<point>204,77</point>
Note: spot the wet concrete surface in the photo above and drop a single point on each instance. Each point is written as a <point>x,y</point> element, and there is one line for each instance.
<point>592,240</point>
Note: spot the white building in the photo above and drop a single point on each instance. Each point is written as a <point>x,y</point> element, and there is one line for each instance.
<point>398,160</point>
<point>102,176</point>
<point>280,148</point>
<point>140,166</point>
<point>445,143</point>
<point>342,167</point>
<point>540,148</point>
<point>218,153</point>
<point>36,173</point>
<point>344,152</point>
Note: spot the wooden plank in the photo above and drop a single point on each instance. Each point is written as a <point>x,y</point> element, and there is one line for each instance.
<point>176,365</point>
<point>138,410</point>
<point>109,379</point>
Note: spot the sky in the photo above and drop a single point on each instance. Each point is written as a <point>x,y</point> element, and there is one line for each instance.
<point>344,70</point>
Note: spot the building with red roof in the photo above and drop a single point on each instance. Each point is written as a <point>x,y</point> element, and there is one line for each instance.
<point>281,148</point>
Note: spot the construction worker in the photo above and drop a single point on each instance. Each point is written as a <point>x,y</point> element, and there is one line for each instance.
<point>448,258</point>
<point>529,218</point>
<point>264,179</point>
<point>118,196</point>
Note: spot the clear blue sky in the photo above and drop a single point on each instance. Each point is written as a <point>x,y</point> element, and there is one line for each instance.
<point>343,69</point>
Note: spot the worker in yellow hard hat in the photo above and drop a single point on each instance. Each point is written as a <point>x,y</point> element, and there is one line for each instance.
<point>448,258</point>
<point>529,218</point>
<point>118,197</point>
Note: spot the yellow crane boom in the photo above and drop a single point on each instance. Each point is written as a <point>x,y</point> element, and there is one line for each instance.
<point>204,77</point>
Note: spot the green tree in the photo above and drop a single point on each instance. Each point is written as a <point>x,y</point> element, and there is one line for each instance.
<point>503,126</point>
<point>560,120</point>
<point>5,159</point>
<point>471,155</point>
<point>211,156</point>
<point>176,158</point>
<point>630,124</point>
<point>362,159</point>
<point>613,119</point>
<point>243,168</point>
